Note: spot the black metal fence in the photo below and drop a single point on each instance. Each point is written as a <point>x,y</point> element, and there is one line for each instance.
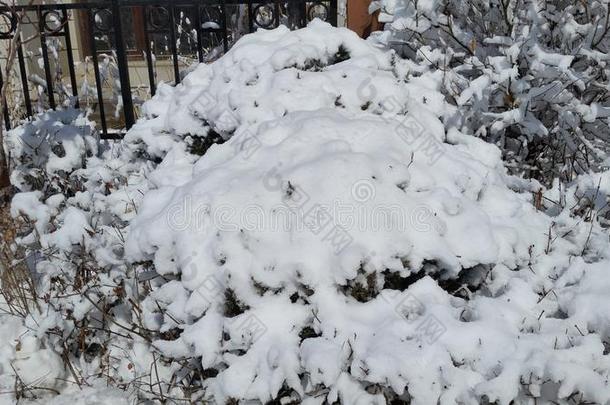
<point>122,33</point>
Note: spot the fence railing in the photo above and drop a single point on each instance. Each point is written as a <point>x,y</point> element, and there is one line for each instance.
<point>113,35</point>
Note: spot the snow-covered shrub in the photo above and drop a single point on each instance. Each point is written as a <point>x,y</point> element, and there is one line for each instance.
<point>74,202</point>
<point>300,222</point>
<point>47,151</point>
<point>530,76</point>
<point>344,245</point>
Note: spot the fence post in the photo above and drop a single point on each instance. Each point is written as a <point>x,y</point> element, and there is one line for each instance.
<point>123,66</point>
<point>332,13</point>
<point>297,11</point>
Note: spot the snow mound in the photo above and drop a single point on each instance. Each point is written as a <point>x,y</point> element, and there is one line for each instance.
<point>341,243</point>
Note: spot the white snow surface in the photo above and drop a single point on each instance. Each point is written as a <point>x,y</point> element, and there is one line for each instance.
<point>338,178</point>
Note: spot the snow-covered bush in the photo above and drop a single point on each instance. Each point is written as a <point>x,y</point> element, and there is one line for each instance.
<point>47,151</point>
<point>530,76</point>
<point>343,245</point>
<point>73,204</point>
<point>301,222</point>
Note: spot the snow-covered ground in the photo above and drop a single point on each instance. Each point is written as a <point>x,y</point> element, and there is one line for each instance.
<point>339,241</point>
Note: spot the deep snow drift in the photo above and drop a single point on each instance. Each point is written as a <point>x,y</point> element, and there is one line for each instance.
<point>339,242</point>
